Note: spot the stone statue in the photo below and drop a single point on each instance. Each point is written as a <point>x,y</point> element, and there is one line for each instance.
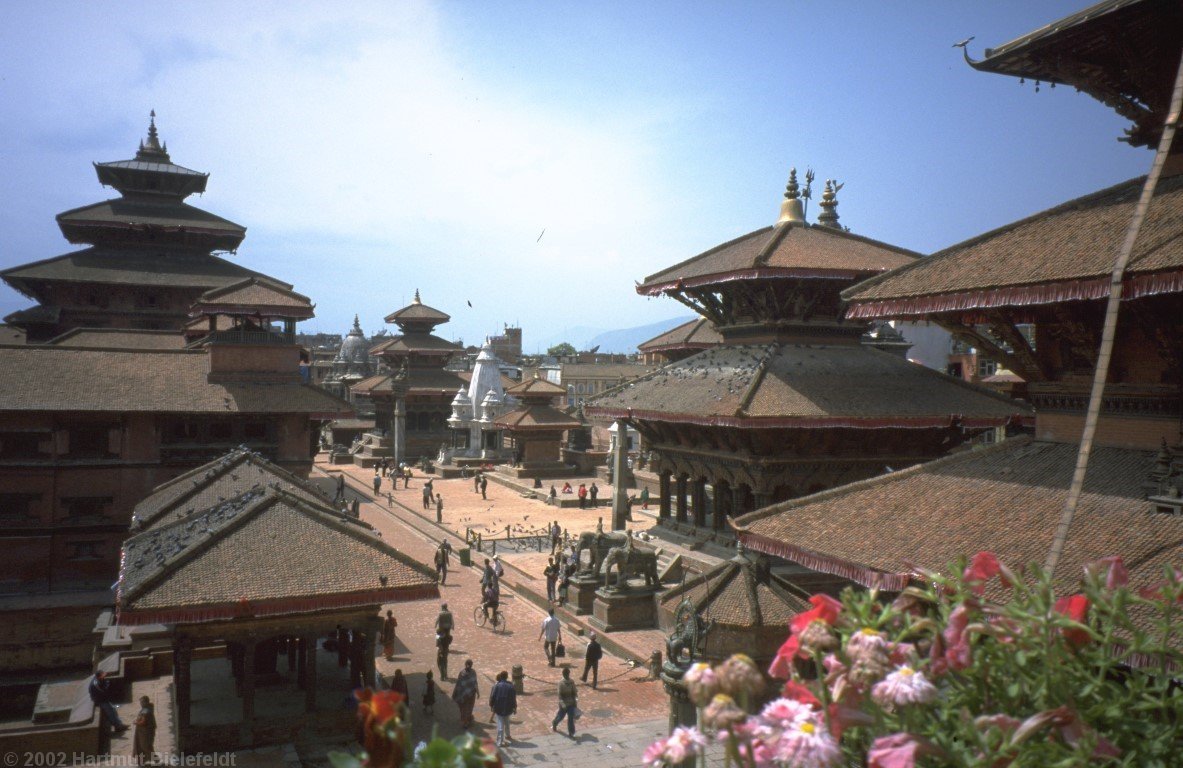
<point>629,562</point>
<point>688,634</point>
<point>598,544</point>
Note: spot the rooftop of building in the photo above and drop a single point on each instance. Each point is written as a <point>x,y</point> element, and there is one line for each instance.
<point>739,595</point>
<point>693,334</point>
<point>536,416</point>
<point>1006,499</point>
<point>418,312</point>
<point>139,267</point>
<point>119,338</point>
<point>255,295</point>
<point>789,385</point>
<point>72,380</point>
<point>1062,254</point>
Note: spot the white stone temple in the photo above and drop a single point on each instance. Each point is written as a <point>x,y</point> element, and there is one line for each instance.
<point>475,409</point>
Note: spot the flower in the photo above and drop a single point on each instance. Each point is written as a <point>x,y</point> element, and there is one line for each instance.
<point>1114,569</point>
<point>384,743</point>
<point>869,660</point>
<point>983,567</point>
<point>379,707</point>
<point>903,686</point>
<point>1076,609</point>
<point>738,676</point>
<point>898,750</point>
<point>722,713</point>
<point>801,693</point>
<point>702,683</point>
<point>672,750</point>
<point>958,654</point>
<point>818,638</point>
<point>785,713</point>
<point>826,610</point>
<point>807,745</point>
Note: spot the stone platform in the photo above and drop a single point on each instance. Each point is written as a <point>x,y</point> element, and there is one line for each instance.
<point>618,610</point>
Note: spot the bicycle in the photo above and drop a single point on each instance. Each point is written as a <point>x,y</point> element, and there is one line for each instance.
<point>498,618</point>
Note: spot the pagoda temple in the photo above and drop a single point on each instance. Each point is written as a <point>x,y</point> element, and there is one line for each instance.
<point>413,399</point>
<point>1052,270</point>
<point>150,255</point>
<point>536,428</point>
<point>791,402</point>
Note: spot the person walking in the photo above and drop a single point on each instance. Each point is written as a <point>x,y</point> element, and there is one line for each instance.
<point>443,621</point>
<point>439,508</point>
<point>389,625</point>
<point>429,694</point>
<point>428,497</point>
<point>476,482</point>
<point>340,495</point>
<point>484,486</point>
<point>645,497</point>
<point>552,577</point>
<point>442,644</point>
<point>591,660</point>
<point>398,684</point>
<point>553,498</point>
<point>465,693</point>
<point>441,563</point>
<point>498,568</point>
<point>568,701</point>
<point>377,481</point>
<point>582,496</point>
<point>144,738</point>
<point>551,634</point>
<point>100,693</point>
<point>593,492</point>
<point>503,700</point>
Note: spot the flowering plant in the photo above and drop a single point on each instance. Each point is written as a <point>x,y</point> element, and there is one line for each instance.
<point>384,731</point>
<point>980,668</point>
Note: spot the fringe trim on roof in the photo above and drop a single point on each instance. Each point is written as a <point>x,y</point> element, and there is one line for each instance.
<point>247,608</point>
<point>868,577</point>
<point>1075,290</point>
<point>656,289</point>
<point>925,422</point>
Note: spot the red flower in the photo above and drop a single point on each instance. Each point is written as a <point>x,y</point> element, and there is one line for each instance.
<point>376,709</point>
<point>1156,592</point>
<point>825,609</point>
<point>983,567</point>
<point>958,652</point>
<point>898,750</point>
<point>1075,608</point>
<point>800,692</point>
<point>1114,569</point>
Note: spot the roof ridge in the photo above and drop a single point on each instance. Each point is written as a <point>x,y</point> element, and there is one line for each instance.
<point>848,294</point>
<point>741,523</point>
<point>707,252</point>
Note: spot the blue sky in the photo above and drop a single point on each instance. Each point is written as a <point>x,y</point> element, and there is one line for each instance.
<point>374,149</point>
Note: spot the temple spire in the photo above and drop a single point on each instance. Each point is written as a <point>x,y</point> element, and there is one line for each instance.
<point>416,301</point>
<point>151,150</point>
<point>829,205</point>
<point>356,323</point>
<point>791,210</point>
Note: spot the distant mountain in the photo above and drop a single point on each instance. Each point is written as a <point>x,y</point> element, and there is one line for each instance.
<point>625,340</point>
<point>574,335</point>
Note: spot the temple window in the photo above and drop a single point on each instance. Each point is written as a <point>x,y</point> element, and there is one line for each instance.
<point>17,507</point>
<point>25,445</point>
<point>84,550</point>
<point>221,431</point>
<point>986,367</point>
<point>98,441</point>
<point>254,430</point>
<point>86,507</point>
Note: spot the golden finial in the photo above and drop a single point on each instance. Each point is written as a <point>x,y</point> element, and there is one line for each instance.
<point>791,208</point>
<point>792,191</point>
<point>416,301</point>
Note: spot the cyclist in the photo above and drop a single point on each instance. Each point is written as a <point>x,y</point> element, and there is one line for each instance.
<point>492,600</point>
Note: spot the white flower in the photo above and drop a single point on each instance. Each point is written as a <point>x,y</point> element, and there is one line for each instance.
<point>807,745</point>
<point>782,715</point>
<point>903,686</point>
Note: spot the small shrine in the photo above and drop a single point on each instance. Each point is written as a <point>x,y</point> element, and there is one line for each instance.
<point>536,429</point>
<point>476,410</point>
<point>351,365</point>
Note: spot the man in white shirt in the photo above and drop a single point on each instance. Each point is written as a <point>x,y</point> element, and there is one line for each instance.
<point>551,635</point>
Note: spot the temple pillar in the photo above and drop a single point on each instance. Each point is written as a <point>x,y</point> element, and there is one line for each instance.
<point>663,497</point>
<point>739,500</point>
<point>290,644</point>
<point>249,649</point>
<point>301,661</point>
<point>398,430</point>
<point>699,502</point>
<point>681,499</point>
<point>723,508</point>
<point>182,679</point>
<point>308,643</point>
<point>370,651</point>
<point>620,477</point>
<point>762,499</point>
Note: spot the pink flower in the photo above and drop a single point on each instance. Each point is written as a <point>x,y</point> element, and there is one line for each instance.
<point>898,750</point>
<point>1156,592</point>
<point>958,654</point>
<point>903,686</point>
<point>1114,569</point>
<point>678,746</point>
<point>1076,608</point>
<point>902,653</point>
<point>826,610</point>
<point>785,713</point>
<point>807,745</point>
<point>701,683</point>
<point>760,754</point>
<point>865,641</point>
<point>983,567</point>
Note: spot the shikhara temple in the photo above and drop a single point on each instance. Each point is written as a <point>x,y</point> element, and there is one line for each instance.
<point>791,401</point>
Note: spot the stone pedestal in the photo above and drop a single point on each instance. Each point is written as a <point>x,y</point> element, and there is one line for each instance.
<point>634,608</point>
<point>581,593</point>
<point>682,711</point>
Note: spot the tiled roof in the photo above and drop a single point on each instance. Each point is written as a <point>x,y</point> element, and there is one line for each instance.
<point>536,387</point>
<point>133,267</point>
<point>261,553</point>
<point>51,378</point>
<point>784,250</point>
<point>419,380</point>
<point>573,371</point>
<point>694,334</point>
<point>255,293</point>
<point>1006,499</point>
<point>140,165</point>
<point>775,385</point>
<point>119,338</point>
<point>418,311</point>
<point>127,213</point>
<point>541,417</point>
<point>733,594</point>
<point>1064,253</point>
<point>229,476</point>
<point>414,342</point>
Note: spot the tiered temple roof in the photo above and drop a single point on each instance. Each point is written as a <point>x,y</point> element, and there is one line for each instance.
<point>537,412</point>
<point>689,337</point>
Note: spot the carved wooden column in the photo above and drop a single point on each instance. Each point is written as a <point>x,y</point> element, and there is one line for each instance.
<point>663,494</point>
<point>182,678</point>
<point>308,643</point>
<point>700,503</point>
<point>681,499</point>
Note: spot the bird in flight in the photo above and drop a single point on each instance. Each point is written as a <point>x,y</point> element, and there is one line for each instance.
<point>470,303</point>
<point>543,232</point>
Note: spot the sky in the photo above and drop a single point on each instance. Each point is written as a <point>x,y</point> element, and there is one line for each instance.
<point>535,159</point>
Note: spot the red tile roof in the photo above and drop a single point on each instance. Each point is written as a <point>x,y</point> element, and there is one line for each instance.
<point>1065,253</point>
<point>536,387</point>
<point>775,385</point>
<point>1006,499</point>
<point>263,553</point>
<point>784,250</point>
<point>53,378</point>
<point>536,417</point>
<point>254,295</point>
<point>119,338</point>
<point>695,334</point>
